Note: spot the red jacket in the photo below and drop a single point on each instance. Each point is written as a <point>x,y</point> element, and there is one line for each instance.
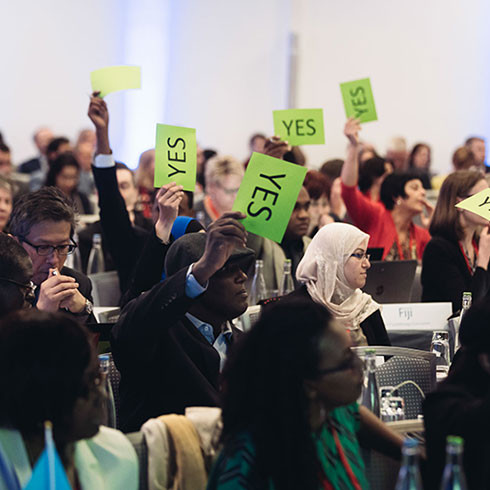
<point>373,218</point>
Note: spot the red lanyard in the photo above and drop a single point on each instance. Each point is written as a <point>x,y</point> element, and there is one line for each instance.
<point>212,211</point>
<point>400,250</point>
<point>355,482</point>
<point>475,247</point>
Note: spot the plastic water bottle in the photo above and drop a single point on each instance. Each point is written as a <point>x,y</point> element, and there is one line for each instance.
<point>409,475</point>
<point>453,477</point>
<point>370,392</point>
<point>465,306</point>
<point>258,291</point>
<point>110,403</point>
<point>96,257</point>
<point>287,279</point>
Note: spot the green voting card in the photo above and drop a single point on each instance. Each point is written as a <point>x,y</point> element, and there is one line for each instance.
<point>267,195</point>
<point>300,126</point>
<point>115,78</point>
<point>478,204</point>
<point>359,100</point>
<point>175,156</point>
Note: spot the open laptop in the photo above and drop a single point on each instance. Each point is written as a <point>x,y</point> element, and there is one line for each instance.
<point>391,282</point>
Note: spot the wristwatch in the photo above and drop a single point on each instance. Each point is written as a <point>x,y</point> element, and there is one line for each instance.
<point>87,309</point>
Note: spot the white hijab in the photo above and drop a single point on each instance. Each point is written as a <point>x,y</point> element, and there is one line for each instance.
<point>322,270</point>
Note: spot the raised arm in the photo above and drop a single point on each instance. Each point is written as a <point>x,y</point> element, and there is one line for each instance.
<point>350,170</point>
<point>145,318</point>
<point>149,268</point>
<point>120,237</point>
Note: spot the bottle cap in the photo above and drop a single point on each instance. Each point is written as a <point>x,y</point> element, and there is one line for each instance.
<point>454,440</point>
<point>410,443</point>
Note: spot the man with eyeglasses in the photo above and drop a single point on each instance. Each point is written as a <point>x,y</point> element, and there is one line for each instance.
<point>16,287</point>
<point>43,222</point>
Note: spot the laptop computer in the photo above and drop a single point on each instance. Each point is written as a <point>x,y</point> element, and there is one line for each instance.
<point>391,282</point>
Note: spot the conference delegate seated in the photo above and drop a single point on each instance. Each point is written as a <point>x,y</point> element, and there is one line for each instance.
<point>49,372</point>
<point>390,221</point>
<point>332,271</point>
<point>170,343</point>
<point>456,258</point>
<point>290,417</point>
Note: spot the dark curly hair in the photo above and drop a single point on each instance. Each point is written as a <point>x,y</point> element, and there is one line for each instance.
<point>43,359</point>
<point>263,391</point>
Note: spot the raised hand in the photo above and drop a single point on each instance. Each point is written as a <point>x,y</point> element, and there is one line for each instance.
<point>99,115</point>
<point>276,148</point>
<point>223,236</point>
<point>167,202</point>
<point>351,130</point>
<point>97,112</point>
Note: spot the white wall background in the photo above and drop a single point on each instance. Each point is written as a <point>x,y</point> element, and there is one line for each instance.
<point>221,66</point>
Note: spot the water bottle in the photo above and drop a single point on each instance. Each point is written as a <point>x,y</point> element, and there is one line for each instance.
<point>370,392</point>
<point>440,347</point>
<point>110,405</point>
<point>74,260</point>
<point>453,477</point>
<point>409,475</point>
<point>465,306</point>
<point>96,257</point>
<point>287,279</point>
<point>258,291</point>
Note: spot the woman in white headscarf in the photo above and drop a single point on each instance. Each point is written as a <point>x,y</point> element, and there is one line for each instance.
<point>332,271</point>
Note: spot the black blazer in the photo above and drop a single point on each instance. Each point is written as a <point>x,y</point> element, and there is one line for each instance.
<point>445,275</point>
<point>373,327</point>
<point>124,242</point>
<point>166,364</point>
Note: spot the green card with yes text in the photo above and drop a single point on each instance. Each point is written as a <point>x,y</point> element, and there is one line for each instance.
<point>359,100</point>
<point>300,126</point>
<point>115,78</point>
<point>175,156</point>
<point>478,204</point>
<point>267,195</point>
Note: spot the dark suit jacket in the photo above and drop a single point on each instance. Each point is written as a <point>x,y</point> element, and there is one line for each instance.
<point>85,288</point>
<point>123,241</point>
<point>30,166</point>
<point>166,364</point>
<point>445,275</point>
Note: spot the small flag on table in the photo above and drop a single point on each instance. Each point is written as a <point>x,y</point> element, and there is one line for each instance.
<point>48,474</point>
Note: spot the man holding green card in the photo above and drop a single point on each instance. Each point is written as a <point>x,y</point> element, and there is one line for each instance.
<point>276,205</point>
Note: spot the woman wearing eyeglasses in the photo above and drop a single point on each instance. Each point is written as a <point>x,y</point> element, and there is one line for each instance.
<point>456,258</point>
<point>49,372</point>
<point>290,417</point>
<point>332,271</point>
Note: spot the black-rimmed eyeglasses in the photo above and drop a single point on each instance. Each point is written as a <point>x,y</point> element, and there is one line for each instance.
<point>29,288</point>
<point>43,250</point>
<point>350,363</point>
